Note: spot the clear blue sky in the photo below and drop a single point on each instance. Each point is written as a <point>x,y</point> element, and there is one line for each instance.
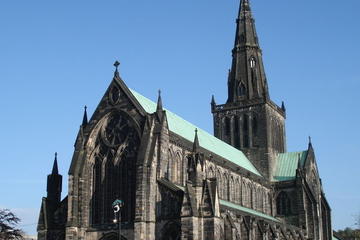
<point>57,56</point>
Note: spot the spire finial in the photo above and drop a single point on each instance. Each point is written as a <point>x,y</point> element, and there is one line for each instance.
<point>196,141</point>
<point>213,103</point>
<point>55,170</point>
<point>310,143</point>
<point>244,9</point>
<point>116,64</point>
<point>85,119</point>
<point>213,100</point>
<point>283,106</point>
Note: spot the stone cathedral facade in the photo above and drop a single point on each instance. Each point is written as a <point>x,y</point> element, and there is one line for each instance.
<point>180,182</point>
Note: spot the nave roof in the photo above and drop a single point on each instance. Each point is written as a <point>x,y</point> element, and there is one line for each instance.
<point>207,141</point>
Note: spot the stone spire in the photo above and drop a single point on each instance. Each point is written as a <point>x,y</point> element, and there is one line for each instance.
<point>85,118</point>
<point>247,78</point>
<point>55,170</point>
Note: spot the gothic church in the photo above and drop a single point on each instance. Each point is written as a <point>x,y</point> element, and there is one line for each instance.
<point>177,181</point>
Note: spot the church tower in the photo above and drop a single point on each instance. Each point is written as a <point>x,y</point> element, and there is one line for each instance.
<point>249,120</point>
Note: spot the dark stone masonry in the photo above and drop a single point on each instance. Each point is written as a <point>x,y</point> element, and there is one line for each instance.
<point>179,182</point>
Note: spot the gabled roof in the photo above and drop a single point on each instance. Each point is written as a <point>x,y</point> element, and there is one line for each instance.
<point>207,141</point>
<point>247,210</point>
<point>286,165</point>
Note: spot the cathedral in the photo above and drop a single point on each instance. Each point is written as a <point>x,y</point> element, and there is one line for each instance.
<point>139,171</point>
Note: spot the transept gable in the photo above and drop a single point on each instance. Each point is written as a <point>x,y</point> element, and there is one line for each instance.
<point>117,99</point>
<point>311,173</point>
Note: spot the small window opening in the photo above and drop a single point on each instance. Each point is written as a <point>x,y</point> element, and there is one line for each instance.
<point>241,89</point>
<point>252,62</point>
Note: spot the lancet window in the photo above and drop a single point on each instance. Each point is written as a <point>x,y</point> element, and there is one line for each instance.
<point>283,204</point>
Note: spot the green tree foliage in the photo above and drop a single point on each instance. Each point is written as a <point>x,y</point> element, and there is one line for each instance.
<point>349,234</point>
<point>8,223</point>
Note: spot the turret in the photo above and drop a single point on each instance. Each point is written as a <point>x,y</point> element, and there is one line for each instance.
<point>54,184</point>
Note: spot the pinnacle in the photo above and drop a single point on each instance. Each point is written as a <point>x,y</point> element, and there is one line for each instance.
<point>196,142</point>
<point>159,106</point>
<point>85,118</point>
<point>55,170</point>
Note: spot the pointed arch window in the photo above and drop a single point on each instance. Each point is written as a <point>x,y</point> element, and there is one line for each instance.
<point>254,124</point>
<point>96,201</point>
<point>244,230</point>
<point>283,206</point>
<point>227,126</point>
<point>225,186</point>
<point>237,132</point>
<point>241,89</point>
<point>246,131</point>
<point>255,130</point>
<point>114,168</point>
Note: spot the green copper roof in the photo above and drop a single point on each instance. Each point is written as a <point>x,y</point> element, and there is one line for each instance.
<point>286,165</point>
<point>247,210</point>
<point>186,130</point>
<point>335,238</point>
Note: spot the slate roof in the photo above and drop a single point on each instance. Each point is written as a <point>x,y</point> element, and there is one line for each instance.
<point>207,141</point>
<point>286,165</point>
<point>247,210</point>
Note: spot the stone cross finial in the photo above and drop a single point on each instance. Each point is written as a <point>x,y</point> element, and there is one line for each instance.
<point>117,64</point>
